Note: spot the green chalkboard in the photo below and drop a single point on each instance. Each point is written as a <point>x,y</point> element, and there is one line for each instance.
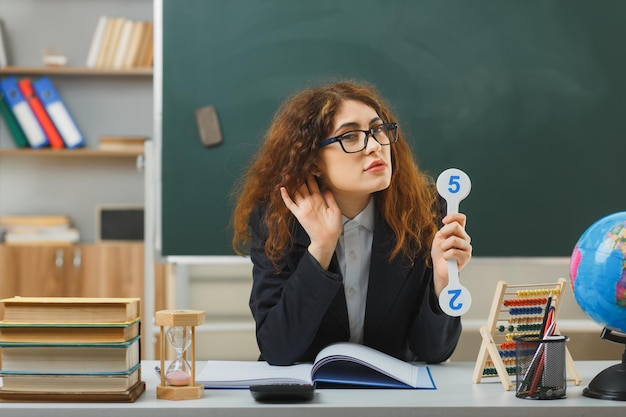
<point>526,96</point>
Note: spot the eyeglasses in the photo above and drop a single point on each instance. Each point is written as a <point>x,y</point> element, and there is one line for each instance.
<point>356,140</point>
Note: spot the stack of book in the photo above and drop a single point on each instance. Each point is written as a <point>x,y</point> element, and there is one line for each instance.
<point>38,229</point>
<point>120,43</point>
<point>70,349</point>
<point>36,115</point>
<point>122,143</point>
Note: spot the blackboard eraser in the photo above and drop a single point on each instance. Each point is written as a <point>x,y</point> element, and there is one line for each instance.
<point>208,126</point>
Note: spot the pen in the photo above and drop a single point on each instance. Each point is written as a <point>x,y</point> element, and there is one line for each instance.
<point>531,370</point>
<point>545,317</point>
<point>538,371</point>
<point>550,324</point>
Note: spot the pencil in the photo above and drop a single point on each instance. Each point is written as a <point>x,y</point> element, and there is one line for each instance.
<point>545,317</point>
<point>538,371</point>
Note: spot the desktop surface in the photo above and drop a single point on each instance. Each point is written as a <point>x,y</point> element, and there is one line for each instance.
<point>456,395</point>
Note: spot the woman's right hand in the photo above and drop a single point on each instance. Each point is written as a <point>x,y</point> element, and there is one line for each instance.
<point>319,215</point>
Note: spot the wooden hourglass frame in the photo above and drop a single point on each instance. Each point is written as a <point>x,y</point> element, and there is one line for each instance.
<point>183,319</point>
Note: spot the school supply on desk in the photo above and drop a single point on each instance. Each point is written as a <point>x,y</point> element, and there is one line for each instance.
<point>178,379</point>
<point>338,365</point>
<point>63,383</point>
<point>56,310</point>
<point>69,332</point>
<point>540,365</point>
<point>282,392</point>
<point>126,396</point>
<point>69,358</point>
<point>547,363</point>
<point>517,310</point>
<point>23,113</point>
<point>70,349</point>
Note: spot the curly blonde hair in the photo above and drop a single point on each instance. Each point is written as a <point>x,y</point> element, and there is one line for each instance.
<point>291,149</point>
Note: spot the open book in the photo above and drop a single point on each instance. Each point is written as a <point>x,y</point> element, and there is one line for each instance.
<point>346,364</point>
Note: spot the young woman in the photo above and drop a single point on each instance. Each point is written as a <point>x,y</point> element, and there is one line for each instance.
<point>345,233</point>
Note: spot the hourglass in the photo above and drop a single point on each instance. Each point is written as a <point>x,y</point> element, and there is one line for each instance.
<point>178,380</point>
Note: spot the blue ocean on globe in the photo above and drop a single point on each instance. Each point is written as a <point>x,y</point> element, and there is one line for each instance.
<point>598,271</point>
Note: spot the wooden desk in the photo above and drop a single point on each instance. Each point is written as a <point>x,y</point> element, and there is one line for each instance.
<point>456,396</point>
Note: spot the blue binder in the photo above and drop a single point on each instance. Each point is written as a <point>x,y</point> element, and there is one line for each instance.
<point>23,113</point>
<point>59,113</point>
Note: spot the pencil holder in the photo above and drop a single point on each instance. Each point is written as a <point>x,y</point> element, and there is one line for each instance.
<point>540,367</point>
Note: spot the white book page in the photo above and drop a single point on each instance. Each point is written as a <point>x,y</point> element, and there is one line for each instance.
<point>386,364</point>
<point>245,373</point>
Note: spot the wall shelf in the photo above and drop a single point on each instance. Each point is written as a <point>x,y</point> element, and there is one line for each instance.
<point>69,153</point>
<point>141,72</point>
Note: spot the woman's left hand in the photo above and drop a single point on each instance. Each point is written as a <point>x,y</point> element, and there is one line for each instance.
<point>450,242</point>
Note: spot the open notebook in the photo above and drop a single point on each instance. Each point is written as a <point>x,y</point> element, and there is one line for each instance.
<point>342,364</point>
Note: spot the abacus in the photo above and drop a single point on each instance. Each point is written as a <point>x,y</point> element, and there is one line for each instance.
<point>517,310</point>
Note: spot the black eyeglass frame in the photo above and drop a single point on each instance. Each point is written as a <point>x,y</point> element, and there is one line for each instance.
<point>389,126</point>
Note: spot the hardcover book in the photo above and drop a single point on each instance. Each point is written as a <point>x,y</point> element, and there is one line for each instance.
<point>122,45</point>
<point>96,42</point>
<point>64,382</point>
<point>128,396</point>
<point>69,332</point>
<point>338,365</point>
<point>134,44</point>
<point>56,310</point>
<point>70,359</point>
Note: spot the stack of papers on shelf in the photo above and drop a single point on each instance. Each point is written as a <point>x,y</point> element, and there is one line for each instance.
<point>38,229</point>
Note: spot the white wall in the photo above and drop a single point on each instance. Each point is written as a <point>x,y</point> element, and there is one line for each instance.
<point>222,290</point>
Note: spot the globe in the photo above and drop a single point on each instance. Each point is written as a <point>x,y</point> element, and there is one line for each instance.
<point>598,271</point>
<point>598,280</point>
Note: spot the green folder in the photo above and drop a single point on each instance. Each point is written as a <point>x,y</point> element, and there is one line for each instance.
<point>14,127</point>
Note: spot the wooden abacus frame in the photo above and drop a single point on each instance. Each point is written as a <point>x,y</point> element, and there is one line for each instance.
<point>533,298</point>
